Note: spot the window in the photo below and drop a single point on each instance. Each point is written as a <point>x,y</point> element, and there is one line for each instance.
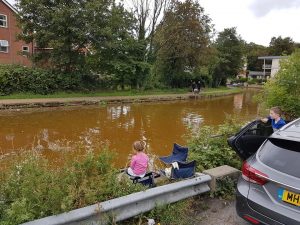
<point>282,155</point>
<point>4,46</point>
<point>3,20</point>
<point>25,50</point>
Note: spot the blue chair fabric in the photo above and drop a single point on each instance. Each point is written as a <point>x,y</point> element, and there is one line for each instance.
<point>179,154</point>
<point>186,170</point>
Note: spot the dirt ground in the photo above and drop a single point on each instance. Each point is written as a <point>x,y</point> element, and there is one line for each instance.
<point>213,211</point>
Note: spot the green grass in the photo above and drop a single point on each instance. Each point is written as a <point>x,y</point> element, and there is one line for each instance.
<point>105,93</point>
<point>102,93</point>
<point>31,189</point>
<point>208,91</point>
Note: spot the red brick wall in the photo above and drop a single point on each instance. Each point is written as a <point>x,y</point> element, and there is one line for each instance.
<point>15,47</point>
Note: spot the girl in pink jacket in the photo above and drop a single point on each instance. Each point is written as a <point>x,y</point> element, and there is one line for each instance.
<point>139,161</point>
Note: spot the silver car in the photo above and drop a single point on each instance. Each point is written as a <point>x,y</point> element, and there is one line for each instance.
<point>268,192</point>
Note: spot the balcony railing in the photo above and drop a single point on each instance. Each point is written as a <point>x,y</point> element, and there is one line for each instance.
<point>267,67</point>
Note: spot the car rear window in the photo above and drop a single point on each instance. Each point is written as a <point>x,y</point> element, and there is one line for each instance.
<point>282,155</point>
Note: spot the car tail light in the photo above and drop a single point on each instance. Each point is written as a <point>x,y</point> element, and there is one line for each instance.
<point>253,175</point>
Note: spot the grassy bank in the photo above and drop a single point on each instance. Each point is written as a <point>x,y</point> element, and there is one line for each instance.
<point>33,189</point>
<point>108,93</point>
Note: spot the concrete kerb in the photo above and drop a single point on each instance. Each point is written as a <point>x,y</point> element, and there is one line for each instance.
<point>219,173</point>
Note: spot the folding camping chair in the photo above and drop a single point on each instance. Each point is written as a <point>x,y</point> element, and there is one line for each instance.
<point>179,154</point>
<point>186,170</point>
<point>147,180</point>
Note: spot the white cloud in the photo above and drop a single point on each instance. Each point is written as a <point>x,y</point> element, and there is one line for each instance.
<point>260,30</point>
<point>263,7</point>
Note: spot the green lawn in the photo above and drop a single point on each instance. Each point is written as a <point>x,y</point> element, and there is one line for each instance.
<point>117,93</point>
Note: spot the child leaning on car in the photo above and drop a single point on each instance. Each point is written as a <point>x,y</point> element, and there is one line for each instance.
<point>275,118</point>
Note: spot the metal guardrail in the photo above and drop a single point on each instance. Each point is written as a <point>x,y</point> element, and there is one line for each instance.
<point>130,205</point>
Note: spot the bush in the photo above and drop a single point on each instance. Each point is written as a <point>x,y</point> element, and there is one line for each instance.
<point>239,80</point>
<point>253,81</point>
<point>225,188</point>
<point>212,151</point>
<point>243,79</point>
<point>31,189</point>
<point>284,89</point>
<point>261,81</point>
<point>14,79</point>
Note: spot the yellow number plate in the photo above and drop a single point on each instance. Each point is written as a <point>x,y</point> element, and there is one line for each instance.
<point>291,197</point>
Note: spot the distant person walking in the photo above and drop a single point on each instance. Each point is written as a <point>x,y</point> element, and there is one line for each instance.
<point>195,88</point>
<point>199,86</point>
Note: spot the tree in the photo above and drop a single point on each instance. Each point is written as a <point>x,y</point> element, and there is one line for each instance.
<point>208,65</point>
<point>230,56</point>
<point>147,13</point>
<point>116,52</point>
<point>281,46</point>
<point>59,25</point>
<point>253,51</point>
<point>284,89</point>
<point>180,40</point>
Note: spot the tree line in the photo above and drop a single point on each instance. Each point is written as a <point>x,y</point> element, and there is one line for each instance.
<point>140,44</point>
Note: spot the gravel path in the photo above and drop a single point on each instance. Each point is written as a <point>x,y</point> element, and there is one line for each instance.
<point>218,212</point>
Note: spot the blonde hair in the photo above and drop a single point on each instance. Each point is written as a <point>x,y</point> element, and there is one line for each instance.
<point>276,110</point>
<point>139,145</point>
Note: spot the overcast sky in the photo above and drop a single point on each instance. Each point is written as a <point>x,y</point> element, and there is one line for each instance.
<point>256,20</point>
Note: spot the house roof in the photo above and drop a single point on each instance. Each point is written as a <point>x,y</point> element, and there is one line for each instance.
<point>272,57</point>
<point>10,6</point>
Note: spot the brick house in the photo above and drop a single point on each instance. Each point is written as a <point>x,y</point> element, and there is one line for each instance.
<point>12,51</point>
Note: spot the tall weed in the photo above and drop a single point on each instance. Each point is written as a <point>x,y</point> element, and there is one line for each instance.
<point>32,189</point>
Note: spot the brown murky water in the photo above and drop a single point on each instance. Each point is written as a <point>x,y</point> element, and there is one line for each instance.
<point>161,124</point>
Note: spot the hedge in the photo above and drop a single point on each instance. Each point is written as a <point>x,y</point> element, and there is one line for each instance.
<point>16,79</point>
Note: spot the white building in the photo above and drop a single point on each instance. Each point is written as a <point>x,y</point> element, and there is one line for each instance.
<point>271,64</point>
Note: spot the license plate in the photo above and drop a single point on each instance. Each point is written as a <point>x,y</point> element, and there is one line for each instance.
<point>289,197</point>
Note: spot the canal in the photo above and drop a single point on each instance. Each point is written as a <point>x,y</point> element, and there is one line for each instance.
<point>53,131</point>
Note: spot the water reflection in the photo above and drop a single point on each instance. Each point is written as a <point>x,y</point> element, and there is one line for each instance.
<point>159,124</point>
<point>238,101</point>
<point>115,112</point>
<point>193,121</point>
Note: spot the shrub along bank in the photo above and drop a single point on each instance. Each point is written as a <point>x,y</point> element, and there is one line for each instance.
<point>32,189</point>
<point>15,79</point>
<point>18,82</point>
<point>210,149</point>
